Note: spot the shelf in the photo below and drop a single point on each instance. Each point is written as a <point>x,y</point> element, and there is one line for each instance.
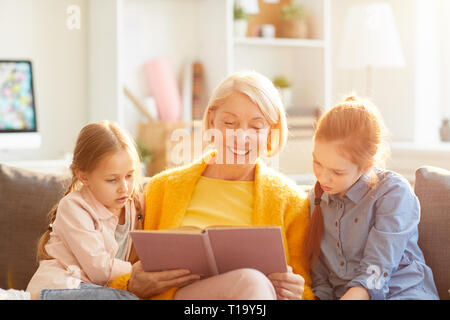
<point>280,42</point>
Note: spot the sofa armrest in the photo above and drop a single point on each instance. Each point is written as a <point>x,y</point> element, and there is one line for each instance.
<point>432,187</point>
<point>26,197</point>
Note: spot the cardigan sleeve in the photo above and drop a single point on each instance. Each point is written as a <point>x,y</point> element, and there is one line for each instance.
<point>121,282</point>
<point>296,222</point>
<point>153,194</point>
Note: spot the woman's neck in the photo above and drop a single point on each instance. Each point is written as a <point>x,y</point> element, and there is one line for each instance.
<point>244,172</point>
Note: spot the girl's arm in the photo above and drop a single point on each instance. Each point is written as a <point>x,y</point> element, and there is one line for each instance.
<point>76,228</point>
<point>397,214</point>
<point>356,293</point>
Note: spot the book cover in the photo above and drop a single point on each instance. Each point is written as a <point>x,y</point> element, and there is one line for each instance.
<point>213,250</point>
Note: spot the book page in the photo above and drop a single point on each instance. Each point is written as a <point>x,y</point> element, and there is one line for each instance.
<point>259,248</point>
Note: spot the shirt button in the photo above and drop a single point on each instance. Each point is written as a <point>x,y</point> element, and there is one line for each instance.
<point>342,263</point>
<point>338,244</point>
<point>356,220</point>
<point>336,223</point>
<point>385,274</point>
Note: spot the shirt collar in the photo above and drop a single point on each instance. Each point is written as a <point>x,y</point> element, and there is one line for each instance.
<point>326,198</point>
<point>101,211</point>
<point>359,189</point>
<point>355,193</point>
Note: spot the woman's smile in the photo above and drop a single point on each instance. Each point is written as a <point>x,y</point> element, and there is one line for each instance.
<point>239,152</point>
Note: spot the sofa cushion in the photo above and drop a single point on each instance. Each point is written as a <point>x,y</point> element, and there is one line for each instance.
<point>432,187</point>
<point>25,199</point>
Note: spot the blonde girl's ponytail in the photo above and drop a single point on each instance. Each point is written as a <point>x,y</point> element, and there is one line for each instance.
<point>315,228</point>
<point>51,216</point>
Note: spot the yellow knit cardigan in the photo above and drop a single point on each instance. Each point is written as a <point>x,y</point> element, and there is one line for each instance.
<point>277,202</point>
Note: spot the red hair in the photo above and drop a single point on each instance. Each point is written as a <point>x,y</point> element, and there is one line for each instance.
<point>360,128</point>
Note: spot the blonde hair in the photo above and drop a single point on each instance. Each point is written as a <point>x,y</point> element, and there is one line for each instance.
<point>95,142</point>
<point>358,124</point>
<point>264,94</point>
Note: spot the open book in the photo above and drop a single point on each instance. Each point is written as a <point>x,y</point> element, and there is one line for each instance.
<point>211,251</point>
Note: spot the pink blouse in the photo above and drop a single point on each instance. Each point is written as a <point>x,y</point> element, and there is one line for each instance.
<point>82,244</point>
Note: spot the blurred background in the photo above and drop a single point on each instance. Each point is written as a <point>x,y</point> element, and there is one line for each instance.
<point>150,65</point>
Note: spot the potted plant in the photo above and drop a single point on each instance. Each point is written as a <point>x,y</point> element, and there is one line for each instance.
<point>145,154</point>
<point>240,21</point>
<point>293,23</point>
<point>284,87</point>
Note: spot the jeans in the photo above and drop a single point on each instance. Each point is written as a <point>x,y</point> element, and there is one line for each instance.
<point>87,291</point>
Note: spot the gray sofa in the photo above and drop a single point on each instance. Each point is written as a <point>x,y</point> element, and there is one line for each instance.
<point>26,197</point>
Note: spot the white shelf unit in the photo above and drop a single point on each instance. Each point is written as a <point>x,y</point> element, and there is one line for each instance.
<point>124,34</point>
<point>305,62</point>
<point>280,42</point>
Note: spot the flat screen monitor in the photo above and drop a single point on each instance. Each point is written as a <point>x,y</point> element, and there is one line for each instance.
<point>18,125</point>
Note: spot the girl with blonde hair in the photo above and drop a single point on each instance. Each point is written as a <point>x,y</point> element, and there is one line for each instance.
<point>231,186</point>
<point>87,242</point>
<point>362,239</point>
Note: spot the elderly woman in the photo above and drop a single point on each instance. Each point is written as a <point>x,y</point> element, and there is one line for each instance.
<point>230,186</point>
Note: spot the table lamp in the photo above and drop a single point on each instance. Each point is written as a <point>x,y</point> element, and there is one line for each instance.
<point>370,40</point>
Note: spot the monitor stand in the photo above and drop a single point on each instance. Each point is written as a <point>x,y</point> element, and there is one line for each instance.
<point>20,140</point>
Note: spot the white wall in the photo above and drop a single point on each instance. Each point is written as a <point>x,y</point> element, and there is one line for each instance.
<point>37,30</point>
<point>445,42</point>
<point>428,71</point>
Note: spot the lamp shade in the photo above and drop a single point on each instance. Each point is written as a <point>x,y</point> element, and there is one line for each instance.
<point>370,38</point>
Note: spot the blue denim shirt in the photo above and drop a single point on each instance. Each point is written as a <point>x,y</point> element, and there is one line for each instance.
<point>370,240</point>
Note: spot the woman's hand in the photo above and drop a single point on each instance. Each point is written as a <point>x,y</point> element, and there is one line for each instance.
<point>288,285</point>
<point>147,284</point>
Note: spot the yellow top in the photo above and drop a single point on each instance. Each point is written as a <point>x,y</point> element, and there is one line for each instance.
<point>220,202</point>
